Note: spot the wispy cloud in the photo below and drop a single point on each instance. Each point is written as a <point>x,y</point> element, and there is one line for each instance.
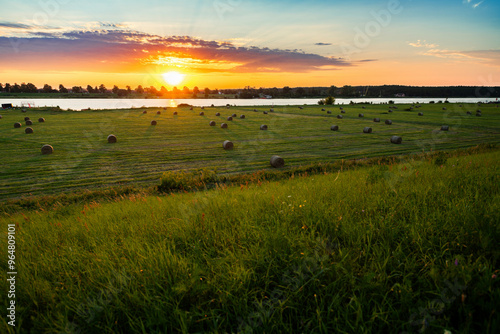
<point>422,44</point>
<point>322,44</point>
<point>133,51</point>
<point>488,57</point>
<point>474,5</point>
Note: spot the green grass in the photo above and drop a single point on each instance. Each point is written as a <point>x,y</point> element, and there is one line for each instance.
<point>381,249</point>
<point>83,159</point>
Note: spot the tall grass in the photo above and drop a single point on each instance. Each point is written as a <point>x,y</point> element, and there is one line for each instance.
<point>389,248</point>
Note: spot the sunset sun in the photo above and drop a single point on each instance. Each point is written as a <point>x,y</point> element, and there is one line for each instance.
<point>173,78</point>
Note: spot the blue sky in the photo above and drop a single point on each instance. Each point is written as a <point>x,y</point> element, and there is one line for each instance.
<point>351,42</point>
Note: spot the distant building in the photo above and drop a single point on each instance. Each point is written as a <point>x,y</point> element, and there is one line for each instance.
<point>399,95</point>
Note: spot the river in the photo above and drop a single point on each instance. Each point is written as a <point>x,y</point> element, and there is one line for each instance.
<point>78,104</point>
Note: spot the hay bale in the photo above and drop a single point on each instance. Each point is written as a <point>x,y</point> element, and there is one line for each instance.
<point>341,108</point>
<point>376,119</point>
<point>479,114</point>
<point>445,128</point>
<point>0,116</point>
<point>469,113</point>
<point>301,108</point>
<point>158,112</point>
<point>47,149</point>
<point>460,106</point>
<point>153,122</point>
<point>29,122</point>
<point>328,112</point>
<point>255,110</point>
<point>390,110</point>
<point>26,119</point>
<point>17,125</point>
<point>175,113</point>
<point>323,109</point>
<point>242,116</point>
<point>340,116</point>
<point>229,118</point>
<point>41,120</point>
<point>144,112</point>
<point>111,139</point>
<point>444,108</point>
<point>367,129</point>
<point>202,113</point>
<point>227,145</point>
<point>479,110</point>
<point>234,115</point>
<point>342,111</point>
<point>420,114</point>
<point>277,161</point>
<point>334,128</point>
<point>212,123</point>
<point>217,114</point>
<point>265,112</point>
<point>363,107</point>
<point>263,127</point>
<point>388,122</point>
<point>190,108</point>
<point>396,140</point>
<point>227,106</point>
<point>223,126</point>
<point>202,108</point>
<point>28,130</point>
<point>271,110</point>
<point>361,115</point>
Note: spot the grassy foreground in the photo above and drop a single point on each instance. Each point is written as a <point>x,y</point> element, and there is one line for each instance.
<point>387,249</point>
<point>83,159</point>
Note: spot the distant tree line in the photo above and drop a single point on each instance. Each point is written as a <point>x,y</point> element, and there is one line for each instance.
<point>248,92</point>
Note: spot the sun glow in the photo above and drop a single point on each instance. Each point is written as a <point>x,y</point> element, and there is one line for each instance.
<point>173,78</point>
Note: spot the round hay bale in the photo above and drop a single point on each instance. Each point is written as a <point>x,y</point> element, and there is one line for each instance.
<point>28,130</point>
<point>234,115</point>
<point>396,140</point>
<point>361,115</point>
<point>255,110</point>
<point>26,119</point>
<point>0,116</point>
<point>202,108</point>
<point>390,110</point>
<point>190,108</point>
<point>376,119</point>
<point>334,128</point>
<point>217,114</point>
<point>277,161</point>
<point>212,123</point>
<point>469,113</point>
<point>444,108</point>
<point>47,149</point>
<point>263,127</point>
<point>41,120</point>
<point>363,107</point>
<point>158,112</point>
<point>271,110</point>
<point>227,145</point>
<point>153,122</point>
<point>388,122</point>
<point>223,126</point>
<point>328,112</point>
<point>144,112</point>
<point>367,129</point>
<point>242,116</point>
<point>111,139</point>
<point>265,112</point>
<point>460,106</point>
<point>340,116</point>
<point>301,108</point>
<point>24,110</point>
<point>445,128</point>
<point>175,113</point>
<point>202,113</point>
<point>229,118</point>
<point>164,108</point>
<point>342,111</point>
<point>479,114</point>
<point>29,122</point>
<point>323,109</point>
<point>341,108</point>
<point>479,110</point>
<point>420,114</point>
<point>17,125</point>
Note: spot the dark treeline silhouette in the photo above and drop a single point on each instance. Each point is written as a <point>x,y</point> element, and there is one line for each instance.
<point>347,91</point>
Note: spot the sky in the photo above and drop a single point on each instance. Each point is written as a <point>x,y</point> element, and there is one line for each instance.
<point>236,43</point>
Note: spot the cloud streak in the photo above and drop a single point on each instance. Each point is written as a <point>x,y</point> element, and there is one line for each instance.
<point>125,51</point>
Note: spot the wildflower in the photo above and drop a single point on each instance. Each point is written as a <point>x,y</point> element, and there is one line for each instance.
<point>456,262</point>
<point>493,276</point>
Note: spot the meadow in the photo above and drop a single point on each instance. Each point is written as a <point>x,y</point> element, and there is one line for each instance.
<point>83,160</point>
<point>392,248</point>
<point>354,235</point>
